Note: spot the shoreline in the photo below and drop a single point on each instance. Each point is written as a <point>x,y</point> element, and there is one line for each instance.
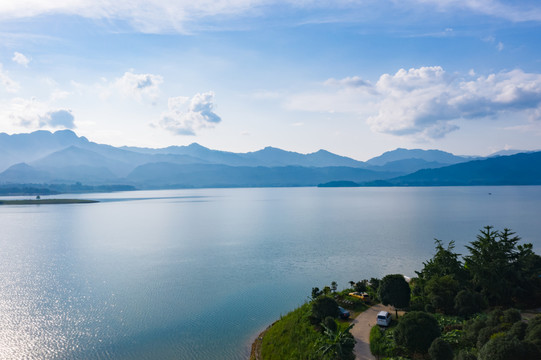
<point>47,201</point>
<point>255,352</point>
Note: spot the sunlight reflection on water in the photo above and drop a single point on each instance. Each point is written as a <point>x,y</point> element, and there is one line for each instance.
<point>196,273</point>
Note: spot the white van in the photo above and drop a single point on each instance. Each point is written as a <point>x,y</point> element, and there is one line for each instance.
<point>384,318</point>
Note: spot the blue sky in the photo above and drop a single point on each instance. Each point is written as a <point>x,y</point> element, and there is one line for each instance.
<point>353,77</point>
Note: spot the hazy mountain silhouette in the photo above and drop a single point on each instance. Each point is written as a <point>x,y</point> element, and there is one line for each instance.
<point>435,156</point>
<point>518,169</point>
<point>63,157</point>
<point>165,175</point>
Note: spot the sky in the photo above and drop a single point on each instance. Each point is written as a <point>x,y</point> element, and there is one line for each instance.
<point>354,77</point>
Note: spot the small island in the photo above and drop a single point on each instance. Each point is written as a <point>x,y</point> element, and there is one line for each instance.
<point>38,201</point>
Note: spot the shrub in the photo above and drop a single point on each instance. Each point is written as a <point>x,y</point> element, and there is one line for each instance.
<point>330,323</point>
<point>533,331</point>
<point>416,331</point>
<point>472,329</point>
<point>504,348</point>
<point>417,303</point>
<point>322,307</point>
<point>380,345</point>
<point>511,316</point>
<point>440,350</point>
<point>484,335</point>
<point>468,302</point>
<point>518,330</point>
<point>465,355</point>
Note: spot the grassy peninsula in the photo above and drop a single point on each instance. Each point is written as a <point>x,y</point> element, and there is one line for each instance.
<point>471,307</point>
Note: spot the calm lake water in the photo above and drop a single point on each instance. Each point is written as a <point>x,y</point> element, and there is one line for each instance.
<point>195,274</point>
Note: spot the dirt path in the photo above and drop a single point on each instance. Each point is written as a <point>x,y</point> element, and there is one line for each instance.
<point>361,331</point>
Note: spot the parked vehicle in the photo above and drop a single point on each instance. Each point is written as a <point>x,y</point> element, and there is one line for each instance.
<point>384,318</point>
<point>344,314</point>
<point>355,295</point>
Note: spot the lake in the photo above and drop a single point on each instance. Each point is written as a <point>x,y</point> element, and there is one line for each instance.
<point>196,274</point>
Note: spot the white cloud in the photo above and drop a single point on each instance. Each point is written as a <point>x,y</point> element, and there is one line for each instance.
<point>20,59</point>
<point>499,46</point>
<point>139,85</point>
<point>159,16</point>
<point>149,16</point>
<point>353,82</point>
<point>516,11</point>
<point>427,102</point>
<point>9,84</point>
<point>186,116</point>
<point>58,119</point>
<point>19,113</point>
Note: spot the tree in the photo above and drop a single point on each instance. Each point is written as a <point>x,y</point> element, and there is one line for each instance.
<point>374,284</point>
<point>316,293</point>
<point>503,348</point>
<point>468,302</point>
<point>330,323</point>
<point>352,284</point>
<point>394,290</point>
<point>493,263</point>
<point>445,262</point>
<point>441,292</point>
<point>440,350</point>
<point>416,331</point>
<point>338,344</point>
<point>334,286</point>
<point>360,286</point>
<point>327,290</point>
<point>322,307</point>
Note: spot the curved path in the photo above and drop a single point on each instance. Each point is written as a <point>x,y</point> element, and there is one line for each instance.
<point>361,331</point>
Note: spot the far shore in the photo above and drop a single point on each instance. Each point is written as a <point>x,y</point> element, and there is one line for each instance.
<point>46,201</point>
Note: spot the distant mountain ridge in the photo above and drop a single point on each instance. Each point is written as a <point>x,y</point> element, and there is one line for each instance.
<point>63,157</point>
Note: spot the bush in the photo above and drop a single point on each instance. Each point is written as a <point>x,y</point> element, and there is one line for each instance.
<point>484,335</point>
<point>322,307</point>
<point>416,331</point>
<point>511,316</point>
<point>468,302</point>
<point>465,355</point>
<point>440,350</point>
<point>472,329</point>
<point>518,330</point>
<point>330,323</point>
<point>417,303</point>
<point>495,317</point>
<point>380,345</point>
<point>504,348</point>
<point>533,331</point>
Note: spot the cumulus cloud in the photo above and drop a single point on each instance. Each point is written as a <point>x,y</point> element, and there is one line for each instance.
<point>139,85</point>
<point>34,114</point>
<point>186,116</point>
<point>426,101</point>
<point>9,84</point>
<point>58,119</point>
<point>20,59</point>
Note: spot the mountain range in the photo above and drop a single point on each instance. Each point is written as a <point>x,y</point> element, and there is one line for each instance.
<point>62,157</point>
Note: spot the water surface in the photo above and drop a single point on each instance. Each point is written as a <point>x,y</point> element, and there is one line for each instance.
<point>195,274</point>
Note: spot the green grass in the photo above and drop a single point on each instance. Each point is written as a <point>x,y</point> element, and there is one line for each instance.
<point>292,337</point>
<point>46,201</point>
